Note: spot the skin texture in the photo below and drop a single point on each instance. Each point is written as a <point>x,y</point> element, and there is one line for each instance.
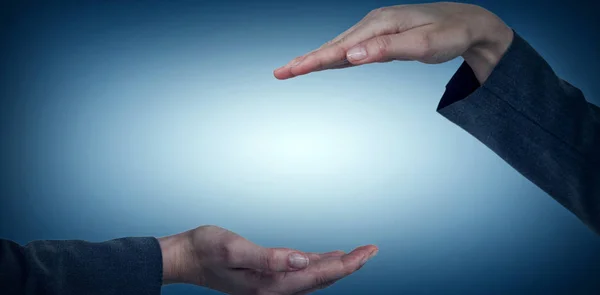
<point>431,33</point>
<point>221,260</point>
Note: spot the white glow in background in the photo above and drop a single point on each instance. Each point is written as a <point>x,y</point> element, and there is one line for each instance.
<point>154,128</point>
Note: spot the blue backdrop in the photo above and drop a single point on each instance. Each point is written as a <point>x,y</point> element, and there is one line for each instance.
<point>130,119</point>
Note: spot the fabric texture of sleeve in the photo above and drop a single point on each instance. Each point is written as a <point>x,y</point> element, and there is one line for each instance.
<point>538,123</point>
<point>121,266</point>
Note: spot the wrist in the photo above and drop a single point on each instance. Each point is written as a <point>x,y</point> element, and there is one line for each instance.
<point>488,46</point>
<point>176,251</point>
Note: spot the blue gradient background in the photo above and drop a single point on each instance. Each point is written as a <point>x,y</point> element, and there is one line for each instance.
<point>130,119</point>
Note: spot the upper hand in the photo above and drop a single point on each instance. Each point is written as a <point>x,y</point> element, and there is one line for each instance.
<point>218,259</point>
<point>429,33</point>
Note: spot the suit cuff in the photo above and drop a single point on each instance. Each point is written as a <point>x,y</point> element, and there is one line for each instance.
<point>464,83</point>
<point>120,266</point>
<point>461,85</point>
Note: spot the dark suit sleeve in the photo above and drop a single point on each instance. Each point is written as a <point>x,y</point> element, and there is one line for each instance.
<point>538,123</point>
<point>122,266</point>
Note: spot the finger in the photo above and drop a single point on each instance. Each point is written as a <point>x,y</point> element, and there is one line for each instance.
<point>315,289</point>
<point>335,40</point>
<point>428,44</point>
<point>327,56</point>
<point>268,259</point>
<point>332,53</point>
<point>343,35</point>
<point>285,72</point>
<point>330,56</point>
<point>380,22</point>
<point>330,283</point>
<point>383,21</point>
<point>328,43</point>
<point>255,277</point>
<point>412,45</point>
<point>337,253</point>
<point>327,270</point>
<point>314,257</point>
<point>341,65</point>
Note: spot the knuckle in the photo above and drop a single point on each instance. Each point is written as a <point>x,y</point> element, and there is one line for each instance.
<point>320,281</point>
<point>296,60</point>
<point>326,44</point>
<point>339,50</point>
<point>377,11</point>
<point>341,44</point>
<point>226,251</point>
<point>385,9</point>
<point>385,26</point>
<point>267,259</point>
<point>383,46</point>
<point>317,60</point>
<point>211,228</point>
<point>425,48</point>
<point>386,12</point>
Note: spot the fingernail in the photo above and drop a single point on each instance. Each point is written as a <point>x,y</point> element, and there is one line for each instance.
<point>298,260</point>
<point>357,53</point>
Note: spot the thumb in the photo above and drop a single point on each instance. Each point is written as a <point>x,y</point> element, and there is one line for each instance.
<point>413,44</point>
<point>272,259</point>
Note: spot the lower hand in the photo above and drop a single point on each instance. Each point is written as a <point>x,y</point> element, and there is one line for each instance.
<point>221,260</point>
<point>430,33</point>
